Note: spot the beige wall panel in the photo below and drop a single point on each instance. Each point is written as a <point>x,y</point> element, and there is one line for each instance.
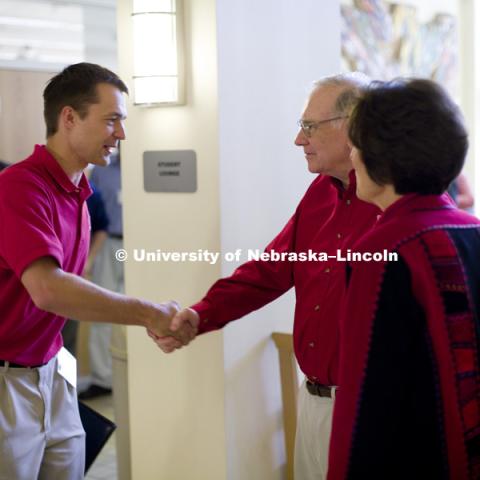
<point>176,401</point>
<point>21,113</point>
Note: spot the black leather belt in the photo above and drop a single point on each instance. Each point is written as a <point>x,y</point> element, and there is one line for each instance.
<point>117,236</point>
<point>16,365</point>
<point>318,389</point>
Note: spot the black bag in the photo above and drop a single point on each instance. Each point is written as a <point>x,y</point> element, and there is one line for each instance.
<point>98,430</point>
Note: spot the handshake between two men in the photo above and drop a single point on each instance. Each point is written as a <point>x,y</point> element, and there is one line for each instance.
<point>173,328</point>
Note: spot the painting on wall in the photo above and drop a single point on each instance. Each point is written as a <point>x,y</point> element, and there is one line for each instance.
<point>386,40</point>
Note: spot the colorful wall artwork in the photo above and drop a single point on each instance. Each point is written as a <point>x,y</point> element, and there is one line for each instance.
<point>387,40</point>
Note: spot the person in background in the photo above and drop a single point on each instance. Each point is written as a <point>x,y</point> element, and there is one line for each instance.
<point>44,239</point>
<point>98,235</point>
<point>107,272</point>
<point>461,193</point>
<point>107,344</point>
<point>408,405</point>
<point>328,218</point>
<point>99,224</point>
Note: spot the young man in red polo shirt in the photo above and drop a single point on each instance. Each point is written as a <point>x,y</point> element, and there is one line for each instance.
<point>44,237</point>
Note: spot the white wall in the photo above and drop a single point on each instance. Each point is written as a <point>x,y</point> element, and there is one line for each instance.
<point>269,53</point>
<point>176,402</point>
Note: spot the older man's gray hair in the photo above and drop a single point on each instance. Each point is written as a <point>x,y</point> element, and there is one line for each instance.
<point>351,83</point>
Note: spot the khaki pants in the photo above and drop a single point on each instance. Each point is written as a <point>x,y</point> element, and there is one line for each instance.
<point>41,434</point>
<point>312,440</point>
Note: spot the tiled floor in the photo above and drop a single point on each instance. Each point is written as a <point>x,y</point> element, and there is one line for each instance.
<point>105,465</point>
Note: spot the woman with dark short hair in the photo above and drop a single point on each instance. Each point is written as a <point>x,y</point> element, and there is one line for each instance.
<point>408,405</point>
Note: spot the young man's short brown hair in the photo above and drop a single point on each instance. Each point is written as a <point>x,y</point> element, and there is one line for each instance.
<point>75,86</point>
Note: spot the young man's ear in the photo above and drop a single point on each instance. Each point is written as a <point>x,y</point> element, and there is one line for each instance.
<point>67,118</point>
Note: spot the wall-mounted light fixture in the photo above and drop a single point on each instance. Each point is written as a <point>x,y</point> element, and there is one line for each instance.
<point>158,52</point>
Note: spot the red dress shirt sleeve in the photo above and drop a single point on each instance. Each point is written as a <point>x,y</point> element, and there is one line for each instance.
<point>250,287</point>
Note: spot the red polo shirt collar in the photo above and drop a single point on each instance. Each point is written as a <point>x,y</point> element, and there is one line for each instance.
<point>51,165</point>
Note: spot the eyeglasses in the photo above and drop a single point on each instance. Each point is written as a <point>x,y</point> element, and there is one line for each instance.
<point>309,127</point>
